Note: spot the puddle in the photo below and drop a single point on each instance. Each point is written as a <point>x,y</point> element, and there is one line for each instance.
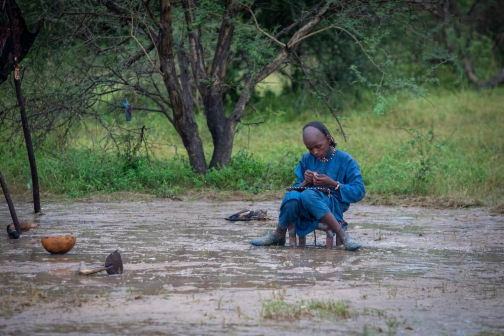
<point>436,267</point>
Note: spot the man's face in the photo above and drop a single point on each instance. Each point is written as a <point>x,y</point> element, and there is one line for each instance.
<point>316,142</point>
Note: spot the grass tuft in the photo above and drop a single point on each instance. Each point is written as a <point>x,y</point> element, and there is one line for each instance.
<point>281,310</point>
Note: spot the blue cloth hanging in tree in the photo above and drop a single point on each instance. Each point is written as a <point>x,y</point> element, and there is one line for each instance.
<point>128,108</point>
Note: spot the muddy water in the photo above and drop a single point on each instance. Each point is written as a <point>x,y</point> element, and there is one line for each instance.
<point>188,271</point>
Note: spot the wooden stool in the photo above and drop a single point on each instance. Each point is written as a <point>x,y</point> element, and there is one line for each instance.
<point>330,236</point>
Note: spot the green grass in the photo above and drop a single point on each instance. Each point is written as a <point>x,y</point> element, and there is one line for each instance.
<point>81,172</point>
<point>450,146</point>
<point>280,310</point>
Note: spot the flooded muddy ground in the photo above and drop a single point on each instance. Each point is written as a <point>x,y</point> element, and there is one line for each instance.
<point>188,271</point>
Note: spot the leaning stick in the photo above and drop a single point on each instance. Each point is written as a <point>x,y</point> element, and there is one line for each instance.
<point>11,205</point>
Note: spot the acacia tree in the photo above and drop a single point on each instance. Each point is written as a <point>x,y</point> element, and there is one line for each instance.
<point>175,55</point>
<point>472,31</point>
<point>184,63</point>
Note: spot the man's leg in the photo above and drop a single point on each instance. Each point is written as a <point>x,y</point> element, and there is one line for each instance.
<point>315,203</point>
<point>288,214</point>
<point>349,242</point>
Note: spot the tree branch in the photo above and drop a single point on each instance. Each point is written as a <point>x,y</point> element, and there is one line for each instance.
<point>262,31</point>
<point>151,14</point>
<point>303,18</point>
<point>139,55</point>
<point>195,48</point>
<point>273,65</point>
<point>223,47</point>
<point>141,46</point>
<point>355,39</point>
<point>185,80</point>
<point>326,103</point>
<point>494,81</point>
<point>125,15</point>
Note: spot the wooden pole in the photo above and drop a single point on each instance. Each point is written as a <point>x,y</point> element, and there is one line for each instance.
<point>24,118</point>
<point>10,204</point>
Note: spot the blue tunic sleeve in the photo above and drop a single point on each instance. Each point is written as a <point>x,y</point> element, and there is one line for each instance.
<point>352,187</point>
<point>299,172</point>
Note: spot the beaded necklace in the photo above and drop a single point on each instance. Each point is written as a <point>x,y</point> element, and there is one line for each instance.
<point>330,158</point>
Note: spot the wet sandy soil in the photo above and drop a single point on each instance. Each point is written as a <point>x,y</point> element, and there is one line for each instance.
<point>188,271</point>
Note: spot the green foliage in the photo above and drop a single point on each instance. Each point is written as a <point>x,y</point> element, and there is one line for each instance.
<point>205,11</point>
<point>81,172</point>
<point>408,170</point>
<point>399,54</point>
<point>450,146</point>
<point>249,174</point>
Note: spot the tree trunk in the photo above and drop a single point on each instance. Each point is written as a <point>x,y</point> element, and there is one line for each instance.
<point>221,128</point>
<point>24,118</point>
<point>192,143</point>
<point>210,85</point>
<point>217,124</point>
<point>223,145</point>
<point>183,113</point>
<point>223,132</point>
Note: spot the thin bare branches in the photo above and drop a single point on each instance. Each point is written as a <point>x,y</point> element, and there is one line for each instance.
<point>139,55</point>
<point>355,39</point>
<point>141,46</point>
<point>151,14</point>
<point>195,48</point>
<point>262,31</point>
<point>333,112</point>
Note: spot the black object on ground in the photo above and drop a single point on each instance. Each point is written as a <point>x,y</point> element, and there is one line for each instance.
<point>11,209</point>
<point>12,233</point>
<point>248,215</point>
<point>113,265</point>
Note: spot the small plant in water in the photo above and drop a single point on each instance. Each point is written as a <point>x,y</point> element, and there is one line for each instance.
<point>392,325</point>
<point>280,310</point>
<point>279,294</point>
<point>329,308</point>
<point>392,290</point>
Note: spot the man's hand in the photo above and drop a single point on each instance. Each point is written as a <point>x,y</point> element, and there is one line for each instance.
<point>308,176</point>
<point>322,180</point>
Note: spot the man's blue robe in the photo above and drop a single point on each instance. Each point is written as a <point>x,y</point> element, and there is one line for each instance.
<point>342,168</point>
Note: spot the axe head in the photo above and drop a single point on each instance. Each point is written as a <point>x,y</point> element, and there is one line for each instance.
<point>113,263</point>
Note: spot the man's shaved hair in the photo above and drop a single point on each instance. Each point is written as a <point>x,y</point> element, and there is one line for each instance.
<point>321,127</point>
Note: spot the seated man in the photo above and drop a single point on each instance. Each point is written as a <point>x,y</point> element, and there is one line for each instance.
<point>322,166</point>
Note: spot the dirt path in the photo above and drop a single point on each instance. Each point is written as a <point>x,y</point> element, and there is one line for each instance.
<point>187,271</point>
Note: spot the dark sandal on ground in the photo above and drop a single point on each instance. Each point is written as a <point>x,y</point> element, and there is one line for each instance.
<point>247,215</point>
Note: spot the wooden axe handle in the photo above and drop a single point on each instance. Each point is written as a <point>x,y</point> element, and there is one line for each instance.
<point>91,271</point>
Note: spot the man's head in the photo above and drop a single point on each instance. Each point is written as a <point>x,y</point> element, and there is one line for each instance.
<point>317,139</point>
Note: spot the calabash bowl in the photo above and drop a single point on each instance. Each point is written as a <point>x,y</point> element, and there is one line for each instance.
<point>58,244</point>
